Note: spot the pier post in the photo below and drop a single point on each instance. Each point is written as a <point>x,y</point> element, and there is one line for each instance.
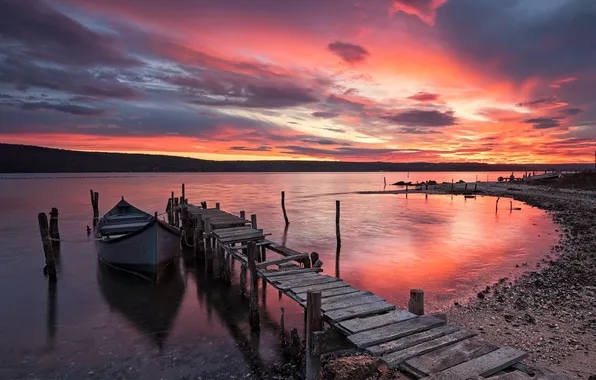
<point>217,206</point>
<point>176,213</point>
<point>282,328</point>
<point>337,215</point>
<point>314,323</point>
<point>426,185</point>
<point>452,185</point>
<point>406,187</point>
<point>221,261</point>
<point>253,221</point>
<point>95,205</point>
<point>254,318</point>
<point>416,304</point>
<point>475,187</point>
<point>183,199</point>
<point>283,207</point>
<point>497,204</point>
<point>243,214</point>
<point>186,225</point>
<point>197,240</point>
<point>172,219</point>
<point>204,204</point>
<point>242,280</point>
<point>50,268</point>
<point>169,211</point>
<point>54,231</point>
<point>385,181</point>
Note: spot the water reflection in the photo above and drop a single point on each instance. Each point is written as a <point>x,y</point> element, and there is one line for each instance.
<point>151,308</point>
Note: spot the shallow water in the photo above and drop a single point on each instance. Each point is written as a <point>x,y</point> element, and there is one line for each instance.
<point>95,323</point>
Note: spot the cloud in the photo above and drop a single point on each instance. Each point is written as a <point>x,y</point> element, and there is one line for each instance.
<point>66,108</point>
<point>325,114</point>
<point>323,141</point>
<point>350,53</point>
<point>423,118</point>
<point>571,111</point>
<point>424,97</point>
<point>550,102</point>
<point>417,131</point>
<point>543,122</point>
<point>48,35</point>
<point>425,10</point>
<point>262,148</point>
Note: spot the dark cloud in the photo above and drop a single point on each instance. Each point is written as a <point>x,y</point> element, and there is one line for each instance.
<point>335,100</point>
<point>336,130</point>
<point>424,97</point>
<point>66,108</point>
<point>543,122</point>
<point>571,111</point>
<point>417,131</point>
<point>262,148</point>
<point>323,141</point>
<point>350,53</point>
<point>325,114</point>
<point>45,34</point>
<point>341,151</point>
<point>518,42</point>
<point>423,118</point>
<point>540,103</point>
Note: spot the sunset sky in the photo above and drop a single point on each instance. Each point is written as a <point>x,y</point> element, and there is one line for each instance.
<point>368,80</point>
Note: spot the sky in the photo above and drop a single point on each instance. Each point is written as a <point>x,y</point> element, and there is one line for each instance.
<point>508,81</point>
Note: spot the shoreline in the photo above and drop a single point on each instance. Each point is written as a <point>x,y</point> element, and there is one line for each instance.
<point>550,310</point>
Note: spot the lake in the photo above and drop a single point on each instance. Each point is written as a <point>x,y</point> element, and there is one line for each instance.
<point>99,324</point>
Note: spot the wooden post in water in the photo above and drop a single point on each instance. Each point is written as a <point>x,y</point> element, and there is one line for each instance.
<point>253,221</point>
<point>416,304</point>
<point>207,243</point>
<point>254,318</point>
<point>221,260</point>
<point>314,323</point>
<point>176,213</point>
<point>186,225</point>
<point>95,205</point>
<point>54,231</point>
<point>452,185</point>
<point>497,204</point>
<point>204,204</point>
<point>385,181</point>
<point>183,195</point>
<point>50,268</point>
<point>406,187</point>
<point>510,205</point>
<point>283,207</point>
<point>172,220</point>
<point>243,214</point>
<point>337,214</point>
<point>169,211</point>
<point>217,206</point>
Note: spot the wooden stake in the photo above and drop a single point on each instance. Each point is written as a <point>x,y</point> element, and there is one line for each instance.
<point>497,204</point>
<point>384,181</point>
<point>54,231</point>
<point>204,204</point>
<point>452,185</point>
<point>95,205</point>
<point>282,327</point>
<point>253,221</point>
<point>254,318</point>
<point>283,207</point>
<point>416,304</point>
<point>406,187</point>
<point>176,213</point>
<point>50,268</point>
<point>183,196</point>
<point>217,206</point>
<point>172,212</point>
<point>314,323</point>
<point>243,214</point>
<point>337,214</point>
<point>510,205</point>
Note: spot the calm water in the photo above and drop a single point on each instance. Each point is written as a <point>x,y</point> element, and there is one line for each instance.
<point>95,323</point>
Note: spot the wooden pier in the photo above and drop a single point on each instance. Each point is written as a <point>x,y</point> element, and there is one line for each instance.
<point>424,346</point>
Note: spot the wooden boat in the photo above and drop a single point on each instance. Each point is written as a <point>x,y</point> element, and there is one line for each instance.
<point>135,241</point>
<point>150,308</point>
<point>551,175</point>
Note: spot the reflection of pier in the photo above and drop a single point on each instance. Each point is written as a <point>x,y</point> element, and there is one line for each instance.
<point>229,304</point>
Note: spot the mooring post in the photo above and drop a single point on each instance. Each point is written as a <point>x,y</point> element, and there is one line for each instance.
<point>337,214</point>
<point>169,211</point>
<point>452,185</point>
<point>283,207</point>
<point>172,212</point>
<point>186,225</point>
<point>50,268</point>
<point>314,323</point>
<point>176,213</point>
<point>253,221</point>
<point>204,205</point>
<point>183,195</point>
<point>384,181</point>
<point>243,214</point>
<point>54,231</point>
<point>217,206</point>
<point>416,304</point>
<point>497,204</point>
<point>510,205</point>
<point>254,318</point>
<point>95,205</point>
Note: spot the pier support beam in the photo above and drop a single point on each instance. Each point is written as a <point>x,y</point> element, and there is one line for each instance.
<point>183,198</point>
<point>337,215</point>
<point>95,205</point>
<point>176,213</point>
<point>54,230</point>
<point>254,317</point>
<point>416,304</point>
<point>50,268</point>
<point>283,207</point>
<point>314,324</point>
<point>171,214</point>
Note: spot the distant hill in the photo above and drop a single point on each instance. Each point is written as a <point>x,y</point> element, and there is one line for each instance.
<point>33,159</point>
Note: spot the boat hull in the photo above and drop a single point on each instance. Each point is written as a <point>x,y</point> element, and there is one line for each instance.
<point>145,252</point>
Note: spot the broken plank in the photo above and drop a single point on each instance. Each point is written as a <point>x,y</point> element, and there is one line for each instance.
<point>349,302</point>
<point>397,330</point>
<point>412,340</point>
<point>362,324</point>
<point>452,350</point>
<point>331,292</point>
<point>359,311</point>
<point>299,257</point>
<point>484,365</point>
<point>329,285</point>
<point>517,375</point>
<point>282,273</point>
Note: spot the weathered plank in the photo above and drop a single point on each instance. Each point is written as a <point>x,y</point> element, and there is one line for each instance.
<point>359,311</point>
<point>397,330</point>
<point>294,272</point>
<point>329,285</point>
<point>299,257</point>
<point>484,365</point>
<point>517,375</point>
<point>244,237</point>
<point>332,292</point>
<point>298,276</point>
<point>439,360</point>
<point>349,302</point>
<point>363,324</point>
<point>411,340</point>
<point>319,279</point>
<point>337,298</point>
